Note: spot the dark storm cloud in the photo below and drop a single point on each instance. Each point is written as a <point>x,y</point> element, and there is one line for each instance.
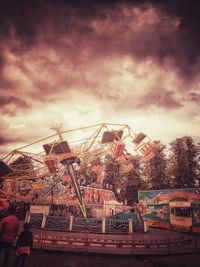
<point>11,105</point>
<point>6,140</point>
<point>160,98</point>
<point>22,17</point>
<point>14,100</point>
<point>29,19</point>
<point>82,33</point>
<point>7,136</point>
<point>195,97</point>
<point>14,135</point>
<point>7,85</point>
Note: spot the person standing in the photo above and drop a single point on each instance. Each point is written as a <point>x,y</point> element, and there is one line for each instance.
<point>9,227</point>
<point>23,246</point>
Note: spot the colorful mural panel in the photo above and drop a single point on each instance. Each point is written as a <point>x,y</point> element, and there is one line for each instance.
<point>171,208</point>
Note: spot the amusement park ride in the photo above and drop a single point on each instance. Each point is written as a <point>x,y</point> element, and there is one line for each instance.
<point>63,152</point>
<point>72,216</point>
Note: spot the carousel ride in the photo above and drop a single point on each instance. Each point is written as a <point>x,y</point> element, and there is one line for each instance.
<point>46,171</point>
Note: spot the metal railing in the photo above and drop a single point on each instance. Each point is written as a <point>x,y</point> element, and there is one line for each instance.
<point>78,224</point>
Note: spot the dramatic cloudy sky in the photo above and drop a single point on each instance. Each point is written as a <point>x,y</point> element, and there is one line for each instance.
<point>87,62</point>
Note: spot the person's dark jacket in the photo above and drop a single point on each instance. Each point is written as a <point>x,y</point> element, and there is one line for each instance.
<point>25,239</point>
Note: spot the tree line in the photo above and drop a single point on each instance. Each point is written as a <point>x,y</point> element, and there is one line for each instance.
<point>177,166</point>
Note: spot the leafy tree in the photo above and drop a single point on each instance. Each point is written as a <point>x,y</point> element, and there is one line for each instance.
<point>85,174</point>
<point>184,162</point>
<point>156,169</point>
<point>134,181</point>
<point>112,173</point>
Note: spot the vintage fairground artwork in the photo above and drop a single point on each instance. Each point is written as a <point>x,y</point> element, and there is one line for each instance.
<point>172,208</point>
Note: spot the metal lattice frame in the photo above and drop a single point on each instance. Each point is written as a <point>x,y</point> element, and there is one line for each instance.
<point>87,148</point>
